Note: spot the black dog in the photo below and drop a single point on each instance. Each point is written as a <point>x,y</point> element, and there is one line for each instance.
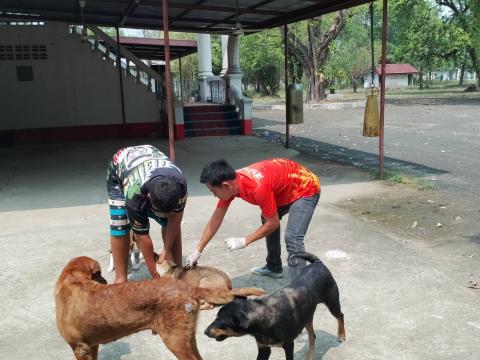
<point>277,319</point>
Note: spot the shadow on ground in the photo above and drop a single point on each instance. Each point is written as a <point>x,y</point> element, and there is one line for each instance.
<point>114,350</point>
<point>324,341</point>
<point>344,155</point>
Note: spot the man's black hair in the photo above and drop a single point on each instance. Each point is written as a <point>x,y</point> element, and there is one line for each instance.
<point>165,193</point>
<point>216,172</point>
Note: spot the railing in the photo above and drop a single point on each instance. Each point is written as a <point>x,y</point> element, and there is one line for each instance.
<point>217,90</point>
<point>132,65</point>
<point>243,104</point>
<point>186,90</point>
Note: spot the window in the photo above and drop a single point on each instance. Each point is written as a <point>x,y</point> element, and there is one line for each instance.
<point>23,52</point>
<point>25,73</point>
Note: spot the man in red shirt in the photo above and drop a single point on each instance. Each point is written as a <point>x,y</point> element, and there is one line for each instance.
<point>278,187</point>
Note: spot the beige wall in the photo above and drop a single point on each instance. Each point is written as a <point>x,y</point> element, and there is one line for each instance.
<point>73,87</point>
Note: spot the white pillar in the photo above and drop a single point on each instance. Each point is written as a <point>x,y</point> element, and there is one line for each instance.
<point>233,49</point>
<point>224,39</point>
<point>234,73</point>
<point>204,48</point>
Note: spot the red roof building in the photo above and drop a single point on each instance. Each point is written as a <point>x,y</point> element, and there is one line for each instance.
<point>398,75</point>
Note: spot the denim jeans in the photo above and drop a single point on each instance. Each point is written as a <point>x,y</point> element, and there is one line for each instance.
<point>300,213</point>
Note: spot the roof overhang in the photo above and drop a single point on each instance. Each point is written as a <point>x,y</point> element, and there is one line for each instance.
<point>154,49</point>
<point>201,16</point>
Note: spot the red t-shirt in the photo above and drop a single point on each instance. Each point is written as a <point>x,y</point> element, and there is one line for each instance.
<point>274,183</point>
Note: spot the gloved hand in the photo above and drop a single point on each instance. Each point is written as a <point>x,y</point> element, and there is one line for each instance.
<point>235,243</point>
<point>193,258</point>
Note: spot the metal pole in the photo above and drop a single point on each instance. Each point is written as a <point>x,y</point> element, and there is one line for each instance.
<point>382,87</point>
<point>122,96</point>
<point>287,127</point>
<point>180,70</point>
<point>168,78</point>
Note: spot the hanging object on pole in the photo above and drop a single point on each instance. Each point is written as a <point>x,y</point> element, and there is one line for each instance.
<point>371,118</point>
<point>295,103</point>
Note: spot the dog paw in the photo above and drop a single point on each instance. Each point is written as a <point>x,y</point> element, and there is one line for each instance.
<point>341,338</point>
<point>110,269</point>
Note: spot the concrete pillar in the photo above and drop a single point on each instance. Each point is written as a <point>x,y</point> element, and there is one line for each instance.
<point>224,39</point>
<point>233,49</point>
<point>234,73</point>
<point>204,64</point>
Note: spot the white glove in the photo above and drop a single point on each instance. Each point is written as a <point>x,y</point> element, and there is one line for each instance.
<point>193,258</point>
<point>235,243</point>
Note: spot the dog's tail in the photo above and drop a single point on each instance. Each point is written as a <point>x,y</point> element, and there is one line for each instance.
<point>223,296</point>
<point>303,255</point>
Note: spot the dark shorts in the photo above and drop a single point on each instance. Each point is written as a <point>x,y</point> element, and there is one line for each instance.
<point>119,225</point>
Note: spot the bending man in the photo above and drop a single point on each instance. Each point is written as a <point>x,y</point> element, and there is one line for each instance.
<point>278,187</point>
<point>143,183</point>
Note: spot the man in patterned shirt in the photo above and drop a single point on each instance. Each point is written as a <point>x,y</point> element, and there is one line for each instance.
<point>278,187</point>
<point>143,183</point>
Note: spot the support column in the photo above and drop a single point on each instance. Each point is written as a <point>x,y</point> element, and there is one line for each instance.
<point>234,73</point>
<point>204,64</point>
<point>234,76</point>
<point>224,39</point>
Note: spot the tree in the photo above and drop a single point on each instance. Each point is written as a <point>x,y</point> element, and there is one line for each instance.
<point>465,13</point>
<point>261,58</point>
<point>313,49</point>
<point>421,37</point>
<point>351,51</point>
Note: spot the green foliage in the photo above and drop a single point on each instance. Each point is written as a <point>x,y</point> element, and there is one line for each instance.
<point>261,60</point>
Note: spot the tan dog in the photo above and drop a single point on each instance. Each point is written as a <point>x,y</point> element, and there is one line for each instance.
<point>89,312</point>
<point>202,276</point>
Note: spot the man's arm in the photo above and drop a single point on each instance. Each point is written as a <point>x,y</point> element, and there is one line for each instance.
<point>145,245</point>
<point>270,225</point>
<point>173,226</point>
<point>212,227</point>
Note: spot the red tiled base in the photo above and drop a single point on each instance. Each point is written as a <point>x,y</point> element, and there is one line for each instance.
<point>179,131</point>
<point>78,133</point>
<point>247,128</point>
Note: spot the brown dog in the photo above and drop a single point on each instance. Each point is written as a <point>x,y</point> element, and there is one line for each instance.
<point>90,312</point>
<point>202,276</point>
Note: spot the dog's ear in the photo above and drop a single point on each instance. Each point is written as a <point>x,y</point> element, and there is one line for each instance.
<point>241,320</point>
<point>97,276</point>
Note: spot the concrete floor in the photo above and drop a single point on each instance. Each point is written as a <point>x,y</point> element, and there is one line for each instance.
<point>399,302</point>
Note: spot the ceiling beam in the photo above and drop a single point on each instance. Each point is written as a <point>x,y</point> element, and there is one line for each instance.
<point>126,13</point>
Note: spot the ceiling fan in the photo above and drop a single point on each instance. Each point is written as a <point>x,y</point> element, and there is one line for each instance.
<point>238,28</point>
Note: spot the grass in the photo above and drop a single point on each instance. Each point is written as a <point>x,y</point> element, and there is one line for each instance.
<point>399,178</point>
<point>347,94</point>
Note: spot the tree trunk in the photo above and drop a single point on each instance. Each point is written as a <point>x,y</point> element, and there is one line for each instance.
<point>475,62</point>
<point>420,80</point>
<point>313,53</point>
<point>462,74</point>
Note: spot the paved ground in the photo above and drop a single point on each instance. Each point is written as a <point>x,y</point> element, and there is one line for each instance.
<point>400,298</point>
<point>431,143</point>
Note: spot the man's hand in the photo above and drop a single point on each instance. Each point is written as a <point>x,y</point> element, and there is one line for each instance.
<point>235,243</point>
<point>193,258</point>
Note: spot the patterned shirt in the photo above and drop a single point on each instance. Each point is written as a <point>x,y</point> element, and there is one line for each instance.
<point>136,166</point>
<point>274,183</point>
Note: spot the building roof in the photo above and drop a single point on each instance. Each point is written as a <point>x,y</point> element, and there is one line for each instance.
<point>202,16</point>
<point>397,69</point>
<point>154,49</point>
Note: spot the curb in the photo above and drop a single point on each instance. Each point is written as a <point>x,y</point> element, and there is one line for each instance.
<point>321,106</point>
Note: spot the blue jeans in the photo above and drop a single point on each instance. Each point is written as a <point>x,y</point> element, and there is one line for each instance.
<point>300,213</point>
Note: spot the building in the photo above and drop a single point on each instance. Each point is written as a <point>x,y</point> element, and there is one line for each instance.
<point>398,75</point>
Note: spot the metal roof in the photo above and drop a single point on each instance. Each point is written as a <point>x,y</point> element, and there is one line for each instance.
<point>397,69</point>
<point>208,16</point>
<point>153,49</point>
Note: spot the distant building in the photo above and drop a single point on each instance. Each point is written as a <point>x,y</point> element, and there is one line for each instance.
<point>398,75</point>
<point>453,74</point>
